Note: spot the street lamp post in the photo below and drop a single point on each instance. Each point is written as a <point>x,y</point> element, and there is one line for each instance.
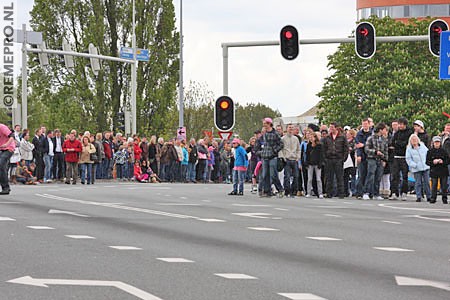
<point>181,90</point>
<point>134,75</point>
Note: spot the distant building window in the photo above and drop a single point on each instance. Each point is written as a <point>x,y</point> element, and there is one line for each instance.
<point>406,11</point>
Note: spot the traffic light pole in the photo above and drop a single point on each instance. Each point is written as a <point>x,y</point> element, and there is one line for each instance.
<point>380,39</point>
<point>24,79</point>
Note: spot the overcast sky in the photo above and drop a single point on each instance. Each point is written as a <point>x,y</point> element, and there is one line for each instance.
<point>258,74</point>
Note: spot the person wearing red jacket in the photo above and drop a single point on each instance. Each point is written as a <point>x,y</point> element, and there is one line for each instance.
<point>72,148</point>
<point>106,166</point>
<point>137,150</point>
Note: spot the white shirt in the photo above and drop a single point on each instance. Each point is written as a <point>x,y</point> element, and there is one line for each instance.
<point>58,144</point>
<point>50,147</point>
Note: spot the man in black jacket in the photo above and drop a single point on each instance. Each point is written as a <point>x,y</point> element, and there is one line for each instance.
<point>38,154</point>
<point>399,165</point>
<point>49,153</point>
<point>58,160</point>
<point>193,154</point>
<point>335,148</point>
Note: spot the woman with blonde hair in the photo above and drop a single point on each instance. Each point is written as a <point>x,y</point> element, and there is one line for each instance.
<point>85,159</point>
<point>416,158</point>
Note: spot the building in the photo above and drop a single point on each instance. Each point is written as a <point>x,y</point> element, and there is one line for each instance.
<point>402,10</point>
<point>308,117</point>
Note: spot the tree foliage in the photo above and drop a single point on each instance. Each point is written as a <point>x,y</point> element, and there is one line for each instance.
<point>76,98</point>
<point>400,80</point>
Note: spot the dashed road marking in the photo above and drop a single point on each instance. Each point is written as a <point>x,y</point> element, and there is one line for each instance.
<point>253,215</point>
<point>348,202</point>
<point>251,205</point>
<point>81,237</point>
<point>125,248</point>
<point>40,227</point>
<point>392,222</point>
<point>179,204</point>
<point>297,296</point>
<point>331,201</point>
<point>6,219</point>
<point>206,201</point>
<point>10,202</point>
<point>281,209</point>
<point>235,276</point>
<point>175,260</point>
<point>263,229</point>
<point>393,249</point>
<point>322,238</point>
<point>212,220</point>
<point>331,215</point>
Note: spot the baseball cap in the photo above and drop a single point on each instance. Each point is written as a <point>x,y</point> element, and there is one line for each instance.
<point>237,141</point>
<point>347,127</point>
<point>420,123</point>
<point>268,120</point>
<point>437,139</point>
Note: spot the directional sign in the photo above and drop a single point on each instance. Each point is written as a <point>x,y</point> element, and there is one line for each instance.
<point>225,135</point>
<point>33,37</point>
<point>141,54</point>
<point>444,66</point>
<point>181,133</point>
<point>27,280</point>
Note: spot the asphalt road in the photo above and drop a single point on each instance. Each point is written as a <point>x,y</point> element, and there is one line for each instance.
<point>186,241</point>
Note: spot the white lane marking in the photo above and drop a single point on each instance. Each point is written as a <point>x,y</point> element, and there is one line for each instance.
<point>206,201</point>
<point>277,218</point>
<point>331,215</point>
<point>81,237</point>
<point>63,212</point>
<point>234,276</point>
<point>125,248</point>
<point>175,260</point>
<point>212,220</point>
<point>251,205</point>
<point>263,229</point>
<point>168,195</point>
<point>40,227</point>
<point>393,249</point>
<point>281,209</point>
<point>10,202</point>
<point>322,238</point>
<point>297,296</point>
<point>110,186</point>
<point>6,219</point>
<point>183,198</point>
<point>253,215</point>
<point>130,208</point>
<point>179,204</point>
<point>330,206</point>
<point>331,201</point>
<point>438,210</point>
<point>408,281</point>
<point>132,188</point>
<point>27,280</point>
<point>432,219</point>
<point>368,204</point>
<point>392,222</point>
<point>348,202</point>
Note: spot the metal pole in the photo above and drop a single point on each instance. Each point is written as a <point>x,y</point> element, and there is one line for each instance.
<point>225,69</point>
<point>78,54</point>
<point>181,87</point>
<point>24,79</point>
<point>133,74</point>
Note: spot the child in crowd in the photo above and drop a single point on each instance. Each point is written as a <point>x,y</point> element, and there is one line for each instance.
<point>139,176</point>
<point>121,159</point>
<point>23,174</point>
<point>184,162</point>
<point>438,160</point>
<point>240,168</point>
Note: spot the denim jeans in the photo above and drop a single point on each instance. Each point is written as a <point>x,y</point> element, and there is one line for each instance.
<point>291,170</point>
<point>105,174</point>
<point>270,175</point>
<point>311,171</point>
<point>184,174</point>
<point>238,180</point>
<point>48,162</point>
<point>164,170</point>
<point>86,170</point>
<point>374,174</point>
<point>4,163</point>
<point>120,171</point>
<point>422,179</point>
<point>362,174</point>
<point>191,172</point>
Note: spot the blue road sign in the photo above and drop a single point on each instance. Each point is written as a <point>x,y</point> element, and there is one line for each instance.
<point>141,54</point>
<point>444,66</point>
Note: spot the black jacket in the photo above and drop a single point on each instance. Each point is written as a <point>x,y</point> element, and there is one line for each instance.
<point>46,146</point>
<point>193,154</point>
<point>400,141</point>
<point>38,143</point>
<point>439,170</point>
<point>335,148</point>
<point>314,155</point>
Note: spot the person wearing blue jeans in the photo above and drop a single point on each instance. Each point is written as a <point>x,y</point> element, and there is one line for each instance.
<point>86,169</point>
<point>291,155</point>
<point>416,157</point>
<point>240,168</point>
<point>376,149</point>
<point>7,146</point>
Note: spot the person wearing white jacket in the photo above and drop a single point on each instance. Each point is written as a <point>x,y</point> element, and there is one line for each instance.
<point>26,148</point>
<point>416,156</point>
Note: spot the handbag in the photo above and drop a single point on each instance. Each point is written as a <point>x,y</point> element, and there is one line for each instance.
<point>281,163</point>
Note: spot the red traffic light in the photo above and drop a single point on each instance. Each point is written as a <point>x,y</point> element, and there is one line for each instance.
<point>434,35</point>
<point>288,35</point>
<point>437,29</point>
<point>224,104</point>
<point>364,31</point>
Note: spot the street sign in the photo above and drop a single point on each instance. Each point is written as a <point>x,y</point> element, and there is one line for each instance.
<point>444,66</point>
<point>141,54</point>
<point>33,37</point>
<point>225,135</point>
<point>181,133</point>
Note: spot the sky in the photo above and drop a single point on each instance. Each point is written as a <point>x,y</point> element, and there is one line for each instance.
<point>257,74</point>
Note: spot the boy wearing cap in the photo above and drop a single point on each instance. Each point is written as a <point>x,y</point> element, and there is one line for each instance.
<point>438,161</point>
<point>419,129</point>
<point>240,168</point>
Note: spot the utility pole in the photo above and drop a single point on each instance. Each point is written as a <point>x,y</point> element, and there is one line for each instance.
<point>24,79</point>
<point>181,88</point>
<point>134,75</point>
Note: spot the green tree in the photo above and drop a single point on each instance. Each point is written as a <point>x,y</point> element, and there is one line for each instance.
<point>249,118</point>
<point>77,98</point>
<point>400,80</point>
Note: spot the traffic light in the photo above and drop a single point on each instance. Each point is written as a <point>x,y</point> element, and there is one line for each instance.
<point>289,42</point>
<point>365,44</point>
<point>121,121</point>
<point>435,29</point>
<point>224,113</point>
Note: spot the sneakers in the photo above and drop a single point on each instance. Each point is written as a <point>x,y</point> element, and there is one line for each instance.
<point>280,194</point>
<point>379,198</point>
<point>308,196</point>
<point>393,197</point>
<point>233,193</point>
<point>254,189</point>
<point>5,192</point>
<point>240,194</point>
<point>366,197</point>
<point>321,196</point>
<point>404,197</point>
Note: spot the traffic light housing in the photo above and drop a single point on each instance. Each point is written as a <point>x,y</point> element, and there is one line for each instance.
<point>365,42</point>
<point>289,42</point>
<point>224,114</point>
<point>434,31</point>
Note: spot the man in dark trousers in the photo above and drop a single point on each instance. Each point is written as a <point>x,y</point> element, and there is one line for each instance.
<point>58,161</point>
<point>7,146</point>
<point>399,165</point>
<point>335,148</point>
<point>38,154</point>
